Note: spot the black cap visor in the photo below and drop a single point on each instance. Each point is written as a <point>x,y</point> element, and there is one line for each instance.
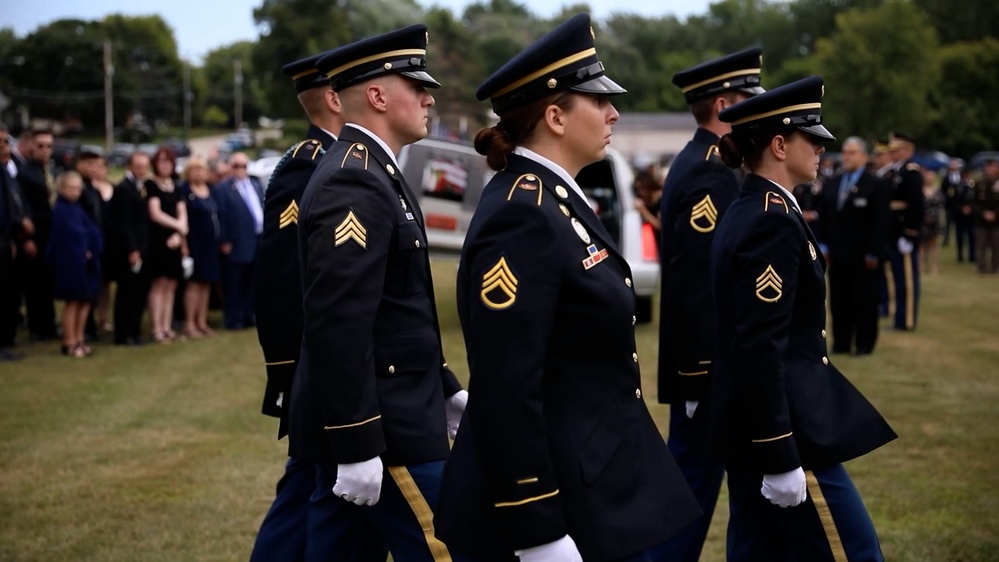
<point>818,131</point>
<point>752,90</point>
<point>600,85</point>
<point>422,77</point>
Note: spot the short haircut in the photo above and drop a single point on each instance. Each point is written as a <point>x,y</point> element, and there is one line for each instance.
<point>858,141</point>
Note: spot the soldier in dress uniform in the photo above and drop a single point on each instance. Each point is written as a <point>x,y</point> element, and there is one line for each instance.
<point>782,417</point>
<point>906,205</point>
<point>373,399</point>
<point>557,458</point>
<point>964,220</point>
<point>278,294</point>
<point>881,160</point>
<point>986,212</point>
<point>696,194</point>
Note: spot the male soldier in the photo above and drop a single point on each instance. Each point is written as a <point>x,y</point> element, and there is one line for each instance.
<point>949,185</point>
<point>697,191</point>
<point>854,228</point>
<point>278,293</point>
<point>986,208</point>
<point>881,163</point>
<point>964,220</point>
<point>373,400</point>
<point>906,206</point>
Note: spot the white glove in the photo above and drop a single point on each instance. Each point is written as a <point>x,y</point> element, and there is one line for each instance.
<point>787,489</point>
<point>562,550</point>
<point>454,407</point>
<point>360,482</point>
<point>904,246</point>
<point>691,408</point>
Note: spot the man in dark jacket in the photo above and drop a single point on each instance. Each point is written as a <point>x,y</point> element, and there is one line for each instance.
<point>131,225</point>
<point>38,188</point>
<point>241,220</point>
<point>11,222</point>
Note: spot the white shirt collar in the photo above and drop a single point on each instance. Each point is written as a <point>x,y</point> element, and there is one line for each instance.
<point>559,170</point>
<point>334,137</point>
<point>380,142</point>
<point>786,193</point>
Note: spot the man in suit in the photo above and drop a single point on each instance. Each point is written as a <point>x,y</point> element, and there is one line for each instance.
<point>986,212</point>
<point>373,400</point>
<point>906,206</point>
<point>278,291</point>
<point>130,220</point>
<point>38,188</point>
<point>964,220</point>
<point>854,232</point>
<point>241,220</point>
<point>697,192</point>
<point>11,221</point>
<point>948,186</point>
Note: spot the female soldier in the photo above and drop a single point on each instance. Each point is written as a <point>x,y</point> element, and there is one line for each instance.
<point>781,416</point>
<point>556,457</point>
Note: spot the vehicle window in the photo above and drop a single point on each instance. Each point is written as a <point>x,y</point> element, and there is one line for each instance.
<point>597,182</point>
<point>444,178</point>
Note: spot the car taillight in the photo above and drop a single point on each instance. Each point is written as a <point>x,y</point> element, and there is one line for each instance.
<point>650,252</point>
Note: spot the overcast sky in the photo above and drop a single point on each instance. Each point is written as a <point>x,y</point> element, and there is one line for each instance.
<point>201,26</point>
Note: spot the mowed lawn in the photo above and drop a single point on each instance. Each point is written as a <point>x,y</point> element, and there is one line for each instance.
<point>159,452</point>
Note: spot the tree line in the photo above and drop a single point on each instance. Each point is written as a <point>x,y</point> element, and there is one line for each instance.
<point>924,67</point>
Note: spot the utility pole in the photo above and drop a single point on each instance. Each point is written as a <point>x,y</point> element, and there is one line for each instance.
<point>238,93</point>
<point>108,98</point>
<point>187,99</point>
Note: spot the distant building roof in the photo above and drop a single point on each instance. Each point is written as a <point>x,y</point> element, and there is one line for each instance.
<point>664,121</point>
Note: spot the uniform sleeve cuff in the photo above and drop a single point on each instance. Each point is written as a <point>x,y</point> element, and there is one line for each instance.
<point>356,442</point>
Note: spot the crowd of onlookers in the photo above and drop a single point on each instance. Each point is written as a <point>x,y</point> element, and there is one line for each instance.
<point>165,241</point>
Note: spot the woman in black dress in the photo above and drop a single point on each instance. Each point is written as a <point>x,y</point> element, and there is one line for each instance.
<point>201,246</point>
<point>167,229</point>
<point>99,179</point>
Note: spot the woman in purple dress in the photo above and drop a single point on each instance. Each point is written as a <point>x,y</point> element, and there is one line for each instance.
<point>73,253</point>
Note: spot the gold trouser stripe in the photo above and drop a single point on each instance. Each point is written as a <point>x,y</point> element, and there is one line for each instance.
<point>788,434</point>
<point>528,500</point>
<point>693,374</point>
<point>410,491</point>
<point>369,420</point>
<point>890,283</point>
<point>271,364</point>
<point>825,516</point>
<point>910,295</point>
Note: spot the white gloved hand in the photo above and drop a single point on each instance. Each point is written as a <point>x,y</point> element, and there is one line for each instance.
<point>691,408</point>
<point>360,482</point>
<point>454,407</point>
<point>562,550</point>
<point>785,490</point>
<point>904,246</point>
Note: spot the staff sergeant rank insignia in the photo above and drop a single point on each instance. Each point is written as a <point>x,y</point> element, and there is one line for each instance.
<point>289,216</point>
<point>499,286</point>
<point>769,280</point>
<point>351,229</point>
<point>706,213</point>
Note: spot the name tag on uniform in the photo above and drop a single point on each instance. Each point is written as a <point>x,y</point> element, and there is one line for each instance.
<point>860,202</point>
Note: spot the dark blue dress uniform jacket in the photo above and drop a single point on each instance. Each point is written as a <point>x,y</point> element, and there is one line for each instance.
<point>906,203</point>
<point>278,281</point>
<point>698,190</point>
<point>556,437</point>
<point>371,379</point>
<point>776,401</point>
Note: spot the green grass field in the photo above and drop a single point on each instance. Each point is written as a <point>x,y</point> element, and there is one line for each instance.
<point>159,453</point>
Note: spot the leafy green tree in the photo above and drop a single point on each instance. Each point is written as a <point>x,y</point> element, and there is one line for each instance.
<point>880,66</point>
<point>219,77</point>
<point>962,20</point>
<point>964,99</point>
<point>457,68</point>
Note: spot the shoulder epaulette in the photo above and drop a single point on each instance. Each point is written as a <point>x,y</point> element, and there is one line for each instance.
<point>912,166</point>
<point>712,152</point>
<point>527,183</point>
<point>309,149</point>
<point>772,199</point>
<point>356,157</point>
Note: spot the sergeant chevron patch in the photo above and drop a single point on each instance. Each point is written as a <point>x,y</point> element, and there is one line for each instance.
<point>769,285</point>
<point>351,229</point>
<point>704,215</point>
<point>289,216</point>
<point>499,286</point>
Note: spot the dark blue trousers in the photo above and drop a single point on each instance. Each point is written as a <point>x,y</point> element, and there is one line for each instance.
<point>704,476</point>
<point>237,295</point>
<point>402,520</point>
<point>282,535</point>
<point>905,273</point>
<point>832,525</point>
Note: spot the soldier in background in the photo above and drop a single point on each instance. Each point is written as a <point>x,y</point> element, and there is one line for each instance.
<point>964,218</point>
<point>986,210</point>
<point>907,214</point>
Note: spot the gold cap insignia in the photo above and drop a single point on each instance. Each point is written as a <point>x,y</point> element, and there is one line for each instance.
<point>769,285</point>
<point>561,192</point>
<point>289,216</point>
<point>704,215</point>
<point>552,83</point>
<point>387,66</point>
<point>786,121</point>
<point>351,229</point>
<point>499,286</point>
<point>726,85</point>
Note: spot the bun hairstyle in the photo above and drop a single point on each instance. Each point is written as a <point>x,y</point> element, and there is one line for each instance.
<point>737,150</point>
<point>516,127</point>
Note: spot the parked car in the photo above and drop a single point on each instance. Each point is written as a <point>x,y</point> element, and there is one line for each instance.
<point>120,153</point>
<point>178,147</point>
<point>449,178</point>
<point>263,168</point>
